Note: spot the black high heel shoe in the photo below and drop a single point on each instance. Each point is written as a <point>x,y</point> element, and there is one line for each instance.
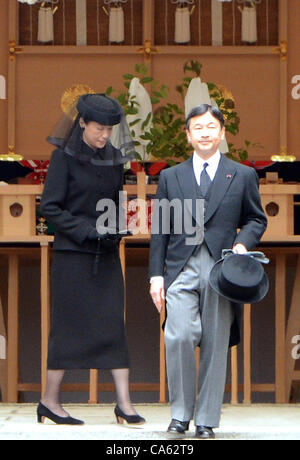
<point>43,412</point>
<point>130,419</point>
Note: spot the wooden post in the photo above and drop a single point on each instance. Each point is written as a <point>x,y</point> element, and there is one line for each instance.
<point>162,361</point>
<point>293,329</point>
<point>234,376</point>
<point>93,386</point>
<point>283,99</point>
<point>11,96</point>
<point>3,356</point>
<point>142,204</point>
<point>13,329</point>
<point>280,317</point>
<point>148,20</point>
<point>247,354</point>
<point>45,311</point>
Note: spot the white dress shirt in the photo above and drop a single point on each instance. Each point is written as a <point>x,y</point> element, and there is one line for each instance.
<point>213,163</point>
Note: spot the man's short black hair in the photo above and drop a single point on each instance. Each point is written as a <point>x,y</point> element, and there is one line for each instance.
<point>201,110</point>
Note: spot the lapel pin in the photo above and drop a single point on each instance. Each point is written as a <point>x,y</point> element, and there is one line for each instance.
<point>229,176</point>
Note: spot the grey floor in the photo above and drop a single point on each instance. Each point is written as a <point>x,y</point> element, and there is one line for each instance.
<point>255,422</point>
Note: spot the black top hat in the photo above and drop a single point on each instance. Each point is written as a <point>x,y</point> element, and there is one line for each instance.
<point>240,278</point>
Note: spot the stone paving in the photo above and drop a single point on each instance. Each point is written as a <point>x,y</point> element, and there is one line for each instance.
<point>239,422</point>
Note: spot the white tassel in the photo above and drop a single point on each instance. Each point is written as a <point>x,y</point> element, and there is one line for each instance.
<point>2,87</point>
<point>45,25</point>
<point>116,25</point>
<point>216,23</point>
<point>249,25</point>
<point>182,25</point>
<point>81,24</point>
<point>2,347</point>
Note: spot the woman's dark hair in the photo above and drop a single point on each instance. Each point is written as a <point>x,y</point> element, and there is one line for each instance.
<point>201,110</point>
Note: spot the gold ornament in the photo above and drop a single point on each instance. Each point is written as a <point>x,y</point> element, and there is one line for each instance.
<point>148,50</point>
<point>228,104</point>
<point>282,50</point>
<point>14,50</point>
<point>42,226</point>
<point>72,94</point>
<point>11,155</point>
<point>283,156</point>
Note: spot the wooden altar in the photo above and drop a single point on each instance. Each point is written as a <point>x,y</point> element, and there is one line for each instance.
<point>277,244</point>
<point>149,41</point>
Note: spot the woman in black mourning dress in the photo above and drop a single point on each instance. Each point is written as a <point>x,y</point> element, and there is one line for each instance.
<point>87,330</point>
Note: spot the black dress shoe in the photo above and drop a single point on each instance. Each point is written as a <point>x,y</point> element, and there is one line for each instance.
<point>43,412</point>
<point>130,419</point>
<point>204,432</point>
<point>178,427</point>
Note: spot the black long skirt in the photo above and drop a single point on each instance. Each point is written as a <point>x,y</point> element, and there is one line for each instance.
<point>87,327</point>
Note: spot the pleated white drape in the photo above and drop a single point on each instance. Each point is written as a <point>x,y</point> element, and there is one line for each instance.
<point>81,24</point>
<point>182,25</point>
<point>45,25</point>
<point>249,24</point>
<point>116,25</point>
<point>2,87</point>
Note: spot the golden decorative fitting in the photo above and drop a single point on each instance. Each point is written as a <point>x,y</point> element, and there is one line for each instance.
<point>11,155</point>
<point>228,103</point>
<point>13,50</point>
<point>283,156</point>
<point>282,50</point>
<point>148,50</point>
<point>72,94</point>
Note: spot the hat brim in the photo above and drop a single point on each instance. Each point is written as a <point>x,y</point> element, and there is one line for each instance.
<point>257,297</point>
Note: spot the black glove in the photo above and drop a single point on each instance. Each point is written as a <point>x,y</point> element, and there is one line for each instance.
<point>93,235</point>
<point>115,237</point>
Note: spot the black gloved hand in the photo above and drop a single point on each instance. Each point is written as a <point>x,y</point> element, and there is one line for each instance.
<point>93,235</point>
<point>114,237</point>
<point>107,241</point>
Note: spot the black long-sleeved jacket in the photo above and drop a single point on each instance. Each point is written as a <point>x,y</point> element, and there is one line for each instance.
<point>71,193</point>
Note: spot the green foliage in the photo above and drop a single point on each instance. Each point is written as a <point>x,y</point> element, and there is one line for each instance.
<point>167,137</point>
<point>241,154</point>
<point>131,106</point>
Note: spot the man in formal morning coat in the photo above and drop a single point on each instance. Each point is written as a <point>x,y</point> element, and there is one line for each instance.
<point>221,198</point>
